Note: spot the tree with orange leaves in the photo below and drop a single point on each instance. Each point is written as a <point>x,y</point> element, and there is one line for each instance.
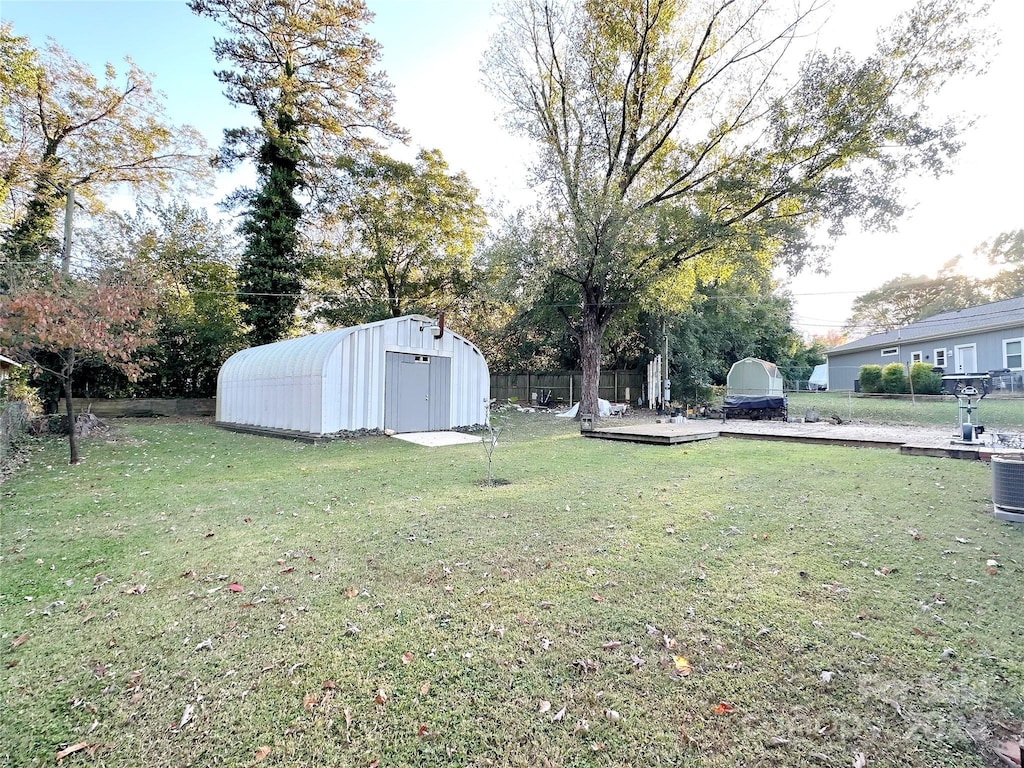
<point>58,322</point>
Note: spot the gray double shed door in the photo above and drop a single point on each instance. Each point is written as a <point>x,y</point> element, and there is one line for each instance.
<point>417,392</point>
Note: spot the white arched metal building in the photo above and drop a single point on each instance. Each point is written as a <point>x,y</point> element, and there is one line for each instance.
<point>754,377</point>
<point>406,374</point>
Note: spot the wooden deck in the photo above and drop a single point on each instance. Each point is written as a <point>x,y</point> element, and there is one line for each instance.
<point>913,441</point>
<point>657,434</point>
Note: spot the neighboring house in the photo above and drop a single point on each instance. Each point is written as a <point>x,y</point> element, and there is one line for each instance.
<point>973,340</point>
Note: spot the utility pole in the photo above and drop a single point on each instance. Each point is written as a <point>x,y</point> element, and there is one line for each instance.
<point>69,212</point>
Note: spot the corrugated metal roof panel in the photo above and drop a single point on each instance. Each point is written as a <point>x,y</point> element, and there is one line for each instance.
<point>334,381</point>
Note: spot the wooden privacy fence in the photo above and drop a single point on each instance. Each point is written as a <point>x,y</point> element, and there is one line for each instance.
<point>564,386</point>
<point>200,406</point>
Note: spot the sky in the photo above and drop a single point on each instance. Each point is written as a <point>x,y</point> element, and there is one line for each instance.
<point>431,51</point>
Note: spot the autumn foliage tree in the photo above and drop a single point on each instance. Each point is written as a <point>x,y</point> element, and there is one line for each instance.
<point>403,240</point>
<point>67,131</point>
<point>667,135</point>
<point>56,323</point>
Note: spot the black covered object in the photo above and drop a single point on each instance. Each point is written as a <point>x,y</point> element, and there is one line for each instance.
<point>755,401</point>
<point>755,406</point>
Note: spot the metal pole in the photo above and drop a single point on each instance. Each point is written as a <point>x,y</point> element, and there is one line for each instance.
<point>666,392</point>
<point>69,211</point>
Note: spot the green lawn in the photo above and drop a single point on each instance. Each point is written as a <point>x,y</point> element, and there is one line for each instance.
<point>726,603</point>
<point>998,414</point>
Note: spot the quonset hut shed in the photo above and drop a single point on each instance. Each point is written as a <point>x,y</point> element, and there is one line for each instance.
<point>752,376</point>
<point>755,389</point>
<point>406,374</point>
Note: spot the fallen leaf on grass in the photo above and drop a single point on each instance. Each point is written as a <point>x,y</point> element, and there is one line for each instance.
<point>585,665</point>
<point>137,589</point>
<point>71,750</point>
<point>351,592</point>
<point>559,715</point>
<point>860,760</point>
<point>309,702</point>
<point>289,569</point>
<point>544,707</point>
<point>611,645</point>
<point>235,587</point>
<point>329,685</point>
<point>612,716</point>
<point>19,640</point>
<point>425,688</point>
<point>723,708</point>
<point>423,731</point>
<point>186,715</point>
<point>597,598</point>
<point>381,698</point>
<point>1010,752</point>
<point>407,657</point>
<point>681,665</point>
<point>777,741</point>
<point>261,753</point>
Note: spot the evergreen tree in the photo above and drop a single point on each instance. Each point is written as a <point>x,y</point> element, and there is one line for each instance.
<point>271,269</point>
<point>305,69</point>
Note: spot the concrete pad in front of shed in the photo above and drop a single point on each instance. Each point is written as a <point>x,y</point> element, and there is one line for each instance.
<point>434,439</point>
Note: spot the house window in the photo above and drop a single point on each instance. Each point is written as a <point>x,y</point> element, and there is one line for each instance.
<point>890,352</point>
<point>1013,354</point>
<point>916,357</point>
<point>940,358</point>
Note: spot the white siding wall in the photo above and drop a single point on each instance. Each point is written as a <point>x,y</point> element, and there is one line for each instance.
<point>335,381</point>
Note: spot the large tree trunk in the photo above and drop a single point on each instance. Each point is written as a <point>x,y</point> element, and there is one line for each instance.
<point>591,333</point>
